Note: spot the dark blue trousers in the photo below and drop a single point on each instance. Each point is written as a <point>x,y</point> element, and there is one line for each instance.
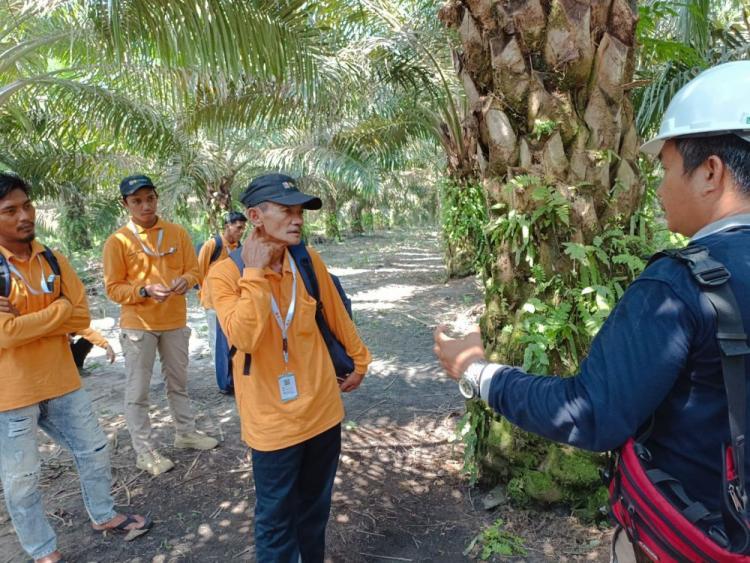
<point>293,498</point>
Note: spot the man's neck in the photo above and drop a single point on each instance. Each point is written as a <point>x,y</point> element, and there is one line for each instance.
<point>145,224</point>
<point>277,261</point>
<point>20,249</point>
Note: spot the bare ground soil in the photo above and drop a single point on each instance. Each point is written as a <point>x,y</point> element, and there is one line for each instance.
<point>399,493</point>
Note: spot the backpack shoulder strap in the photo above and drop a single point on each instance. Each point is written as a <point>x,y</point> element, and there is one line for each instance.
<point>5,279</point>
<point>217,248</point>
<point>301,257</point>
<point>712,277</point>
<point>51,259</point>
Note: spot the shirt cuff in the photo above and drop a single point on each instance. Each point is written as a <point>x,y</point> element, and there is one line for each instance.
<point>483,372</point>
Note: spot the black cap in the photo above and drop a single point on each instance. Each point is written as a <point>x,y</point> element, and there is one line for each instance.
<point>234,216</point>
<point>132,184</point>
<point>280,189</point>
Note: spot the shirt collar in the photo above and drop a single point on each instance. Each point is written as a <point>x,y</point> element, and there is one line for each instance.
<point>739,220</point>
<point>157,225</point>
<point>228,244</point>
<point>36,248</point>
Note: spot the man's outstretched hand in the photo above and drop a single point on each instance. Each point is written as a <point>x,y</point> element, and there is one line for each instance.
<point>455,354</point>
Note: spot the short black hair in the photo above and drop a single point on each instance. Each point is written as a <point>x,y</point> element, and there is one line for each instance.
<point>233,217</point>
<point>733,151</point>
<point>10,182</point>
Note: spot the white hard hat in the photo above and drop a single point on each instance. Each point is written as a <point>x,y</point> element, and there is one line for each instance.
<point>714,102</point>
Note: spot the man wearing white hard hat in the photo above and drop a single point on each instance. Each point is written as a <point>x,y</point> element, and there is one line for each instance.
<point>656,371</point>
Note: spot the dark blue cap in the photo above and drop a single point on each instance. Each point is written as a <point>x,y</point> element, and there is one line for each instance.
<point>132,184</point>
<point>280,189</point>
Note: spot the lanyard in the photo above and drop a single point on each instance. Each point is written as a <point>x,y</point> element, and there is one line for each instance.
<point>44,283</point>
<point>284,326</point>
<point>159,239</point>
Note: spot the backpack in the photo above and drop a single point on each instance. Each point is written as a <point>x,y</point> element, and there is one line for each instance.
<point>342,362</point>
<point>5,277</point>
<point>652,506</point>
<point>214,255</point>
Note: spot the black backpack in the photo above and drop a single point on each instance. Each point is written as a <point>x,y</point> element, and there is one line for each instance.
<point>214,255</point>
<point>342,362</point>
<point>5,277</point>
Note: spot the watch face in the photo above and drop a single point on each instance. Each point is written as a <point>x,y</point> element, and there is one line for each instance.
<point>466,388</point>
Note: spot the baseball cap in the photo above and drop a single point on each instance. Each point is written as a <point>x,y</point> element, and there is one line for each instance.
<point>278,188</point>
<point>132,184</point>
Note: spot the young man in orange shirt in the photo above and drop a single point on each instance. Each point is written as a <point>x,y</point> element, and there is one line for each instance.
<point>41,387</point>
<point>289,403</point>
<point>149,264</point>
<point>234,228</point>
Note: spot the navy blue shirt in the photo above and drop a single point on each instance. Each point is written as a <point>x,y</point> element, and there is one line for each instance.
<point>656,354</point>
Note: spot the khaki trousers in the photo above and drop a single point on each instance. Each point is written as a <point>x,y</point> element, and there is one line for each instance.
<point>623,550</point>
<point>139,348</point>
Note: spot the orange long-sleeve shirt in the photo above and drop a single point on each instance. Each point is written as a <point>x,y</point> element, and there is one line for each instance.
<point>94,336</point>
<point>243,307</point>
<point>35,359</point>
<point>204,263</point>
<point>127,268</point>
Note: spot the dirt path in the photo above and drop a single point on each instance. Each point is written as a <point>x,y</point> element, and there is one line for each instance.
<point>399,495</point>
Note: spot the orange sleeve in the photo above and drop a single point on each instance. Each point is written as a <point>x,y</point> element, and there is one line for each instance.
<point>338,318</point>
<point>191,271</point>
<point>242,303</point>
<point>204,257</point>
<point>20,330</point>
<point>116,283</point>
<point>75,292</point>
<point>94,336</point>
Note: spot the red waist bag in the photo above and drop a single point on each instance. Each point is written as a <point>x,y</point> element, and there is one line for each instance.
<point>652,506</point>
<point>658,517</point>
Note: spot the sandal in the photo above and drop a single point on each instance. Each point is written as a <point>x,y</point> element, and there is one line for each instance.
<point>122,528</point>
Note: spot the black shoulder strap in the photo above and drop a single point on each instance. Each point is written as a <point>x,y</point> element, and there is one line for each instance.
<point>218,243</point>
<point>5,279</point>
<point>301,257</point>
<point>712,277</point>
<point>51,259</point>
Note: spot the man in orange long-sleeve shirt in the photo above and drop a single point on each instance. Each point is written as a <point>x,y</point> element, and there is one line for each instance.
<point>149,264</point>
<point>234,228</point>
<point>290,405</point>
<point>41,387</point>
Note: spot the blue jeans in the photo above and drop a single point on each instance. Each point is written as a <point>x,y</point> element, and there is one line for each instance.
<point>70,422</point>
<point>293,499</point>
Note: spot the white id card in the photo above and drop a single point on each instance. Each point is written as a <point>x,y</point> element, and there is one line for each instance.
<point>287,387</point>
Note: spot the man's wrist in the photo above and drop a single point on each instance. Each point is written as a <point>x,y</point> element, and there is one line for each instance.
<point>480,372</point>
<point>143,292</point>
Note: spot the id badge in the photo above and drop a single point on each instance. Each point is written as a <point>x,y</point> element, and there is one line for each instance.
<point>287,387</point>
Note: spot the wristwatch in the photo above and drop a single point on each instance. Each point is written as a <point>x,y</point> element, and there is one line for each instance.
<point>143,292</point>
<point>468,384</point>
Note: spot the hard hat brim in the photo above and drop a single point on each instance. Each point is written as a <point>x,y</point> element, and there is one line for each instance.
<point>653,147</point>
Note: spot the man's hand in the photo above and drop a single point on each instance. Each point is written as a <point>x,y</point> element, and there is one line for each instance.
<point>7,307</point>
<point>259,250</point>
<point>455,354</point>
<point>352,381</point>
<point>179,285</point>
<point>158,292</point>
<point>110,354</point>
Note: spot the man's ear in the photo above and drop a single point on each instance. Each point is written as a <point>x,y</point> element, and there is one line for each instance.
<point>254,216</point>
<point>713,172</point>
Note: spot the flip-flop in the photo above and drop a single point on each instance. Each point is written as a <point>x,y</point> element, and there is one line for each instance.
<point>122,528</point>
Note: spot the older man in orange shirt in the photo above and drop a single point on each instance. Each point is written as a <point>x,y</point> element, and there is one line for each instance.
<point>289,402</point>
<point>149,264</point>
<point>41,387</point>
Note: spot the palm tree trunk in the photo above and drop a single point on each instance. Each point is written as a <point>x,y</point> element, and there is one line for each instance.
<point>75,228</point>
<point>547,83</point>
